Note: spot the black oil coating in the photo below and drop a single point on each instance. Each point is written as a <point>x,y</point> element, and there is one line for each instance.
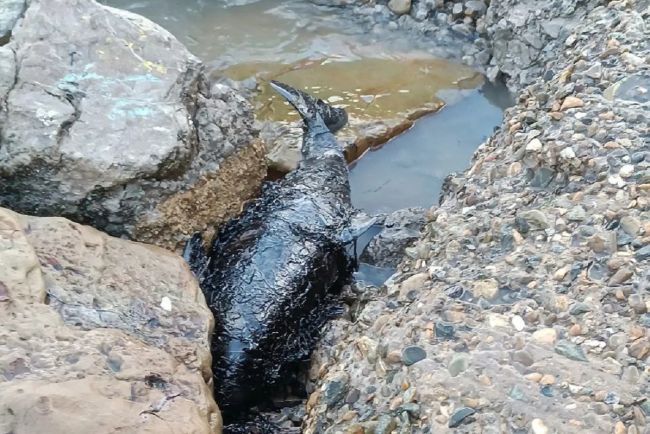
<point>270,275</point>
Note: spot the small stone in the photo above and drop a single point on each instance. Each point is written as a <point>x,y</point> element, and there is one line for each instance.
<point>458,364</point>
<point>518,323</point>
<point>597,243</point>
<point>534,376</point>
<point>517,393</point>
<point>621,276</point>
<point>561,273</point>
<point>575,330</point>
<point>577,214</point>
<point>630,225</point>
<point>166,304</point>
<point>579,308</point>
<point>640,349</point>
<point>400,7</point>
<point>488,289</point>
<point>619,428</point>
<point>535,218</point>
<point>568,153</point>
<point>335,392</point>
<point>547,380</point>
<point>595,71</point>
<point>534,146</point>
<point>524,357</point>
<point>394,357</point>
<point>352,396</point>
<point>385,425</point>
<point>459,416</point>
<point>631,374</point>
<point>637,303</point>
<point>626,171</point>
<point>539,427</point>
<point>474,8</point>
<point>571,102</point>
<point>611,398</point>
<point>643,253</point>
<point>413,354</point>
<point>444,330</point>
<point>546,336</point>
<point>570,351</point>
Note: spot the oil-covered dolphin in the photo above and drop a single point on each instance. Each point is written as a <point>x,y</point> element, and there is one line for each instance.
<point>270,274</point>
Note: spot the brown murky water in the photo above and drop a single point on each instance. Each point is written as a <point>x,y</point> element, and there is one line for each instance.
<point>368,88</point>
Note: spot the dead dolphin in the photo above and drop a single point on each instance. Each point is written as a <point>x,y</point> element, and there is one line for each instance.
<point>270,274</point>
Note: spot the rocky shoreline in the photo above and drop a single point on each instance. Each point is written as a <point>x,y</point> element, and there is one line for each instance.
<point>524,305</point>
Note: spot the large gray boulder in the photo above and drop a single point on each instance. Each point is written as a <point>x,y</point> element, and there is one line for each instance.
<point>107,119</point>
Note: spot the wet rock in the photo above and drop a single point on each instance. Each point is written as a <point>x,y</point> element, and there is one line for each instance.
<point>577,214</point>
<point>637,303</point>
<point>444,330</point>
<point>458,364</point>
<point>539,427</point>
<point>571,102</point>
<point>336,390</point>
<point>474,8</point>
<point>401,228</point>
<point>385,425</point>
<point>621,276</point>
<point>108,355</point>
<point>460,416</point>
<point>570,350</point>
<point>413,354</point>
<point>145,162</point>
<point>579,309</point>
<point>640,348</point>
<point>535,218</point>
<point>643,253</point>
<point>546,336</point>
<point>487,289</point>
<point>9,14</point>
<point>400,7</point>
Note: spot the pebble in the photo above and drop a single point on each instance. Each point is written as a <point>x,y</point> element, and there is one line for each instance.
<point>458,364</point>
<point>539,427</point>
<point>577,214</point>
<point>546,336</point>
<point>547,380</point>
<point>460,416</point>
<point>488,289</point>
<point>637,303</point>
<point>570,351</point>
<point>518,323</point>
<point>621,276</point>
<point>400,7</point>
<point>643,253</point>
<point>571,102</point>
<point>534,145</point>
<point>413,354</point>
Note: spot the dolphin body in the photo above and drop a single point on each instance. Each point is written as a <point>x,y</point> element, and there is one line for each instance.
<point>270,275</point>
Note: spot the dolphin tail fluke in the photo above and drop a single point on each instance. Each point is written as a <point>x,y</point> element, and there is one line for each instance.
<point>314,112</point>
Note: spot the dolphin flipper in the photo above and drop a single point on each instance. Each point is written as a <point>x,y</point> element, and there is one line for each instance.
<point>359,224</point>
<point>194,254</point>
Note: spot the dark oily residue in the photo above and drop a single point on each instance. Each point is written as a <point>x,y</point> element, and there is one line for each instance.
<point>270,275</point>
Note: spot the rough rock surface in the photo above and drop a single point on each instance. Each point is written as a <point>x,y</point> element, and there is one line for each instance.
<point>400,229</point>
<point>99,334</point>
<point>109,120</point>
<point>527,307</point>
<point>10,13</point>
<point>516,39</point>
